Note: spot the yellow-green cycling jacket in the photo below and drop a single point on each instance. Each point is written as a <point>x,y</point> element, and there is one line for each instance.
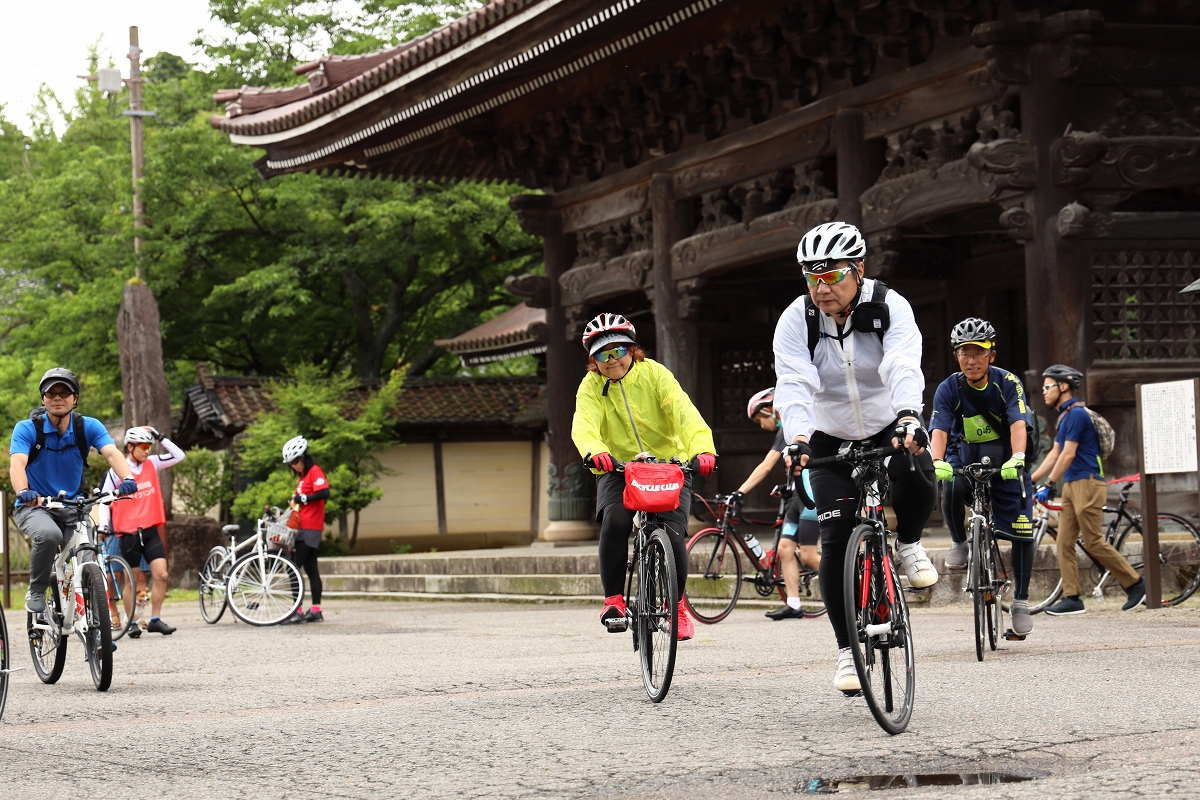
<point>667,422</point>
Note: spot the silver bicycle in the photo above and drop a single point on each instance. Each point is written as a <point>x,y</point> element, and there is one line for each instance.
<point>261,587</point>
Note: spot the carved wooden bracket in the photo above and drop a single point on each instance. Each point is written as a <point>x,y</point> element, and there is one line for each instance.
<point>1013,162</point>
<point>1078,221</point>
<point>1018,222</point>
<point>1092,161</point>
<point>689,303</point>
<point>595,282</point>
<point>534,288</point>
<point>1006,44</point>
<point>919,196</point>
<point>882,255</point>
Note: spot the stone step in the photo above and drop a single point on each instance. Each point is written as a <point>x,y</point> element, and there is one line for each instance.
<point>569,585</point>
<point>529,561</point>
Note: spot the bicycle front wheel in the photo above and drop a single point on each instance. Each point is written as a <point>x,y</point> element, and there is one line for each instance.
<point>122,595</point>
<point>213,577</point>
<point>715,581</point>
<point>977,581</point>
<point>97,641</point>
<point>49,649</point>
<point>657,614</point>
<point>264,589</point>
<point>5,661</point>
<point>880,632</point>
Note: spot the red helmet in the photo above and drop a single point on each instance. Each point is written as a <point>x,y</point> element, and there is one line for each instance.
<point>761,400</point>
<point>607,329</point>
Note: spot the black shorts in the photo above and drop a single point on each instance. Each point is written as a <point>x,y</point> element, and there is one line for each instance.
<point>147,544</point>
<point>805,532</point>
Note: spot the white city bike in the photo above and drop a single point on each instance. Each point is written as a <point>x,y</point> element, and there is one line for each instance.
<point>76,601</point>
<point>261,587</point>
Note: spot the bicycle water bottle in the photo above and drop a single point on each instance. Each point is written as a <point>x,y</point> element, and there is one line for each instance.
<point>752,542</point>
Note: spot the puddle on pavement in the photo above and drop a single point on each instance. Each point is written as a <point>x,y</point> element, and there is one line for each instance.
<point>860,783</point>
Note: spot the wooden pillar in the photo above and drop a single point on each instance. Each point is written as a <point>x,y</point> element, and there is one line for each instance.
<point>674,312</point>
<point>859,163</point>
<point>571,506</point>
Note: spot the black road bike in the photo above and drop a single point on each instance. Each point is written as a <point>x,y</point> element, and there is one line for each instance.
<point>877,616</point>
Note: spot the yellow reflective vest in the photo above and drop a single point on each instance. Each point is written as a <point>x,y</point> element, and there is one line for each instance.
<point>666,421</point>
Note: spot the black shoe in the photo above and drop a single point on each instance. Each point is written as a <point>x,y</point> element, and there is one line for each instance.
<point>292,619</point>
<point>1137,593</point>
<point>785,612</point>
<point>313,616</point>
<point>135,631</point>
<point>1068,605</point>
<point>158,626</point>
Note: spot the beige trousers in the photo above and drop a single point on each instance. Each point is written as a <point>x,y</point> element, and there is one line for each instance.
<point>1083,511</point>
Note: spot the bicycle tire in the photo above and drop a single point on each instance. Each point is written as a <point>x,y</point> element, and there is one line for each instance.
<point>212,584</point>
<point>1182,561</point>
<point>49,652</point>
<point>714,588</point>
<point>123,596</point>
<point>264,589</point>
<point>975,585</point>
<point>5,661</point>
<point>97,641</point>
<point>993,595</point>
<point>881,681</point>
<point>657,623</point>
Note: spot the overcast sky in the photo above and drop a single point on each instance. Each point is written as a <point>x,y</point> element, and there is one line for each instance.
<point>47,42</point>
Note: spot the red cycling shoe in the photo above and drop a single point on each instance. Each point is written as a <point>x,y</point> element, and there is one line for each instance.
<point>615,615</point>
<point>686,630</point>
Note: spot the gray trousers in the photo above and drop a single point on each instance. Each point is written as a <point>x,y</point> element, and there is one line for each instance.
<point>47,529</point>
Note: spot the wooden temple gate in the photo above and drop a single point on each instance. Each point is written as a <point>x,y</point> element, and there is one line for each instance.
<point>1033,163</point>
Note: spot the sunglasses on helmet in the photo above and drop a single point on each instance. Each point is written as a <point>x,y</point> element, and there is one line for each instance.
<point>614,353</point>
<point>818,272</point>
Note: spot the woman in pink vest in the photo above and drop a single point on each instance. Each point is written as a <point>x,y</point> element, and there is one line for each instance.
<point>137,521</point>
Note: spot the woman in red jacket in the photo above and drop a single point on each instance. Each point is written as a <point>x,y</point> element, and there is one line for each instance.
<point>309,501</point>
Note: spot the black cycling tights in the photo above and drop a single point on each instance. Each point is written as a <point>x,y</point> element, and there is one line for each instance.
<point>616,526</point>
<point>305,557</point>
<point>836,498</point>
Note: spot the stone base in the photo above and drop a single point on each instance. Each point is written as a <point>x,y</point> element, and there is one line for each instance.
<point>571,530</point>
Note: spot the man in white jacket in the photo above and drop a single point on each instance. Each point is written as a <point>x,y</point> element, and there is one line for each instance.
<point>857,378</point>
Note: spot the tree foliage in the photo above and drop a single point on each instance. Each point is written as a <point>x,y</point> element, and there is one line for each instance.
<point>203,480</point>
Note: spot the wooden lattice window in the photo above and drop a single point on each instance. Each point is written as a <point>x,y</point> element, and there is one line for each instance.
<point>741,371</point>
<point>1138,312</point>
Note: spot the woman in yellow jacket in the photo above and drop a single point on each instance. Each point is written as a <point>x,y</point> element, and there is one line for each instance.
<point>628,404</point>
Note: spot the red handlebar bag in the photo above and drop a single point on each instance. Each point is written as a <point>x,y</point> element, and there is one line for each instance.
<point>652,487</point>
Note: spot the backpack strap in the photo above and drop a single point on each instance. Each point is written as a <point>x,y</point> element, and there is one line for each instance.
<point>39,441</point>
<point>878,292</point>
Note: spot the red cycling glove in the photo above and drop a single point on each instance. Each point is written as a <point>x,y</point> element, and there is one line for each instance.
<point>706,462</point>
<point>603,462</point>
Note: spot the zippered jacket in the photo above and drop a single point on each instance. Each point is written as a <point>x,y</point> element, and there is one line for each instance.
<point>648,397</point>
<point>851,388</point>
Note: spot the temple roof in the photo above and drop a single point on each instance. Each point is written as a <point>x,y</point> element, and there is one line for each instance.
<point>519,331</point>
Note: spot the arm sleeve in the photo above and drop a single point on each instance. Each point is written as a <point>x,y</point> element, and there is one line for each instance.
<point>103,512</point>
<point>585,425</point>
<point>173,456</point>
<point>942,418</point>
<point>320,494</point>
<point>679,408</point>
<point>1015,407</point>
<point>23,437</point>
<point>900,368</point>
<point>96,433</point>
<point>796,379</point>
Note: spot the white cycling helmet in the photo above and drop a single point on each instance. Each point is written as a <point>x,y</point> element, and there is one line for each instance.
<point>294,448</point>
<point>831,242</point>
<point>139,436</point>
<point>607,329</point>
<point>760,401</point>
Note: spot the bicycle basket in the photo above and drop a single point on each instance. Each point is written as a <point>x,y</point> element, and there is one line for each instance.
<point>652,487</point>
<point>279,535</point>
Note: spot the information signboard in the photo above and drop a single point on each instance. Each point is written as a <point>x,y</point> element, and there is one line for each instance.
<point>1168,427</point>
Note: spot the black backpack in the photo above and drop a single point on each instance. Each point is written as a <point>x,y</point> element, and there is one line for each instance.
<point>1033,444</point>
<point>38,417</point>
<point>870,316</point>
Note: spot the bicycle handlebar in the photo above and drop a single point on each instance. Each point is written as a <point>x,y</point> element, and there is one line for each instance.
<point>981,472</point>
<point>855,457</point>
<point>619,466</point>
<point>81,502</point>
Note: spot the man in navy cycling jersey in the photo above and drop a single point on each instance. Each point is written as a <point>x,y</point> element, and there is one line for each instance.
<point>58,467</point>
<point>981,411</point>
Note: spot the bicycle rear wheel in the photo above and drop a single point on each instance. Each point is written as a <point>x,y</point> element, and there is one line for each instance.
<point>264,589</point>
<point>716,576</point>
<point>97,641</point>
<point>49,649</point>
<point>1178,557</point>
<point>976,582</point>
<point>122,595</point>
<point>657,615</point>
<point>5,661</point>
<point>880,630</point>
<point>212,585</point>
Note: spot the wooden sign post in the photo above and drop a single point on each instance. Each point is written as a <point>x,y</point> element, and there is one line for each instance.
<point>1167,442</point>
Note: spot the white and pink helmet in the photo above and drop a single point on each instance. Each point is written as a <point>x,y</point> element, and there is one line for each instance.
<point>605,330</point>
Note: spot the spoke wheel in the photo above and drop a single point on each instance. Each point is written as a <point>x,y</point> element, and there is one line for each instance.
<point>212,585</point>
<point>657,615</point>
<point>995,576</point>
<point>1179,554</point>
<point>5,661</point>
<point>716,576</point>
<point>122,595</point>
<point>49,649</point>
<point>97,640</point>
<point>264,590</point>
<point>884,659</point>
<point>977,581</point>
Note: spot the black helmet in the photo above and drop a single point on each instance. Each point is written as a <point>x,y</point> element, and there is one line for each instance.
<point>1061,373</point>
<point>58,375</point>
<point>974,330</point>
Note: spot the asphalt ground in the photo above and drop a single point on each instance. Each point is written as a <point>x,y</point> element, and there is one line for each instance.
<point>474,700</point>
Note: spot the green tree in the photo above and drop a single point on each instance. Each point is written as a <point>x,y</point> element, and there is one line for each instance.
<point>345,426</point>
<point>203,480</point>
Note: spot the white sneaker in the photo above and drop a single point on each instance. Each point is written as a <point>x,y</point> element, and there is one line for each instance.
<point>917,566</point>
<point>846,677</point>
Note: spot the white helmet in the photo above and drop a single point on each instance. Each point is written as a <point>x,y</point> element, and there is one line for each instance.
<point>606,329</point>
<point>139,436</point>
<point>294,448</point>
<point>832,241</point>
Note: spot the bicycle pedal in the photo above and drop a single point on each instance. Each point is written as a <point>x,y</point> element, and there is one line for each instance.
<point>618,625</point>
<point>1011,636</point>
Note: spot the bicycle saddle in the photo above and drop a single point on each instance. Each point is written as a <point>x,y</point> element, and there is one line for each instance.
<point>230,530</point>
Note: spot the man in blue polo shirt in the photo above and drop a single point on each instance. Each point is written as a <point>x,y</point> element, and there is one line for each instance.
<point>57,465</point>
<point>1075,460</point>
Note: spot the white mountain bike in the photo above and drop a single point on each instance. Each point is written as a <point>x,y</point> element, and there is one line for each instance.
<point>77,600</point>
<point>262,588</point>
